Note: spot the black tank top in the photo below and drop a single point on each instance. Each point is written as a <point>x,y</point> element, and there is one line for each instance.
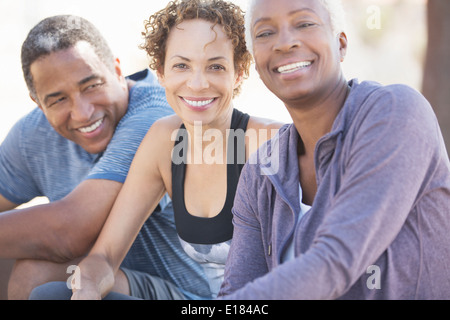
<point>217,229</point>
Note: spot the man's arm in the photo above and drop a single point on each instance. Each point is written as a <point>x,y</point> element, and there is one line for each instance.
<point>61,230</point>
<point>5,204</point>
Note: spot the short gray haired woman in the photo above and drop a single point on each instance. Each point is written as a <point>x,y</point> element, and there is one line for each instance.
<point>359,206</point>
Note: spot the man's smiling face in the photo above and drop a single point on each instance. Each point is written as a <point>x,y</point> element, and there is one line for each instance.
<point>81,97</point>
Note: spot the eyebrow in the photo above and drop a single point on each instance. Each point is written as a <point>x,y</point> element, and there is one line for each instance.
<point>289,14</point>
<point>210,59</point>
<point>80,83</point>
<point>51,95</point>
<point>88,79</point>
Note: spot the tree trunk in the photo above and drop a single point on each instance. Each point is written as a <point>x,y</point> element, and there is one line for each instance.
<point>436,79</point>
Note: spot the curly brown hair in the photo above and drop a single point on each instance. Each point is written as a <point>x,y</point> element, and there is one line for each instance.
<point>58,33</point>
<point>226,14</point>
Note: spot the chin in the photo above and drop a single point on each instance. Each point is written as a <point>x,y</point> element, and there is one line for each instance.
<point>294,94</point>
<point>95,148</point>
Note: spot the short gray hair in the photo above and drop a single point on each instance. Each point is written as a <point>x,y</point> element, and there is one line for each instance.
<point>334,8</point>
<point>59,33</point>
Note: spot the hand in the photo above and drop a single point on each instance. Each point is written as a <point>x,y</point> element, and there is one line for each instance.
<point>86,293</point>
<point>92,279</point>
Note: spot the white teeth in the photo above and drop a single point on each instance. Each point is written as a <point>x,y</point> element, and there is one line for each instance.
<point>198,103</point>
<point>91,128</point>
<point>293,67</point>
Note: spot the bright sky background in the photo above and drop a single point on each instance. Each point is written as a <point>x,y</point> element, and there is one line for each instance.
<point>392,53</point>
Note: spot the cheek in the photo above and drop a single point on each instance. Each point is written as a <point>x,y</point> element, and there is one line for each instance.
<point>171,82</point>
<point>228,86</point>
<point>170,92</point>
<point>261,64</point>
<point>57,118</point>
<point>257,59</point>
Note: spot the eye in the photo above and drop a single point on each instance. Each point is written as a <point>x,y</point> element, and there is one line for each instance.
<point>217,67</point>
<point>263,34</point>
<point>94,86</point>
<point>180,66</point>
<point>57,101</point>
<point>305,25</point>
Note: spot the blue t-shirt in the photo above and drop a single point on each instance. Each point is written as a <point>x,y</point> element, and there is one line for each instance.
<point>36,161</point>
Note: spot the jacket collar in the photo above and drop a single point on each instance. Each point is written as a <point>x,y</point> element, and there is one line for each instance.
<point>278,158</point>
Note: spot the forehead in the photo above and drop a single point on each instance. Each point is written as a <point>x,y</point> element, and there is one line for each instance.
<point>198,35</point>
<point>81,53</point>
<point>82,50</point>
<point>280,9</point>
<point>58,69</point>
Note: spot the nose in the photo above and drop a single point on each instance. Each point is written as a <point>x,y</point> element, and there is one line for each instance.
<point>286,40</point>
<point>198,80</point>
<point>82,110</point>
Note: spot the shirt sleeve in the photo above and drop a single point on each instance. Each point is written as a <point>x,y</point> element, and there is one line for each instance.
<point>389,163</point>
<point>16,182</point>
<point>246,260</point>
<point>147,104</point>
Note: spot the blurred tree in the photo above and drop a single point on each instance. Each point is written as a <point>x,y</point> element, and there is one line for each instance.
<point>436,79</point>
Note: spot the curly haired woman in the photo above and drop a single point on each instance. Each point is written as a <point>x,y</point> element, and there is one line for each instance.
<point>199,53</point>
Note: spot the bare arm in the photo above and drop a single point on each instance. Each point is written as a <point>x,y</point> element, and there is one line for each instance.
<point>61,230</point>
<point>5,204</point>
<point>259,130</point>
<point>139,196</point>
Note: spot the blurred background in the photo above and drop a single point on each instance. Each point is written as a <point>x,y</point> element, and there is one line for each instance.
<point>390,41</point>
<point>387,42</point>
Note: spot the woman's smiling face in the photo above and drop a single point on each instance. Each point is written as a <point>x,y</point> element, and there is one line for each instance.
<point>296,52</point>
<point>199,72</point>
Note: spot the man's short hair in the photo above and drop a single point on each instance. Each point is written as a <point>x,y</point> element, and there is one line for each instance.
<point>59,33</point>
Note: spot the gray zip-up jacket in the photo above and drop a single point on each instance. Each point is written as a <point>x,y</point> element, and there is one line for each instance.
<point>379,227</point>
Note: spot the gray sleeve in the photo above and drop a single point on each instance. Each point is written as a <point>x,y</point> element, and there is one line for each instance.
<point>386,163</point>
<point>16,182</point>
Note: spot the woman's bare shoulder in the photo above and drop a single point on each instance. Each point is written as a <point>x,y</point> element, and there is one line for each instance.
<point>167,124</point>
<point>259,130</point>
<point>258,123</point>
<point>160,135</point>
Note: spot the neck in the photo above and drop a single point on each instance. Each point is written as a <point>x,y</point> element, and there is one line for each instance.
<point>211,137</point>
<point>314,118</point>
<point>200,129</point>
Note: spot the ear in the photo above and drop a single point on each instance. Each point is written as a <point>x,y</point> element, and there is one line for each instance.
<point>35,100</point>
<point>343,43</point>
<point>256,66</point>
<point>160,75</point>
<point>239,79</point>
<point>126,84</point>
<point>118,68</point>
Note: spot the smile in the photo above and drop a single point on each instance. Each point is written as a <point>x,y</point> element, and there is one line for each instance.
<point>198,103</point>
<point>289,68</point>
<point>92,127</point>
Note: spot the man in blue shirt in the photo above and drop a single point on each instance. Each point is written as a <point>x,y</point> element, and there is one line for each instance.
<point>75,149</point>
